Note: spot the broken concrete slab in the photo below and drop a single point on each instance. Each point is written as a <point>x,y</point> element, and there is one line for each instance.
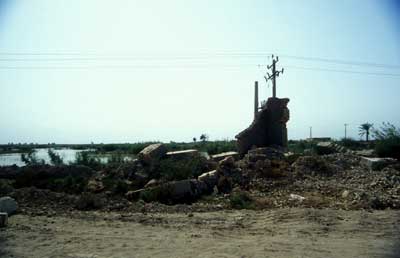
<point>210,178</point>
<point>182,154</point>
<point>324,148</point>
<point>152,153</point>
<point>8,205</point>
<point>376,163</point>
<point>221,156</point>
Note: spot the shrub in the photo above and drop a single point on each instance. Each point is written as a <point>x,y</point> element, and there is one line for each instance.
<point>31,159</point>
<point>84,158</point>
<point>241,200</point>
<point>350,143</point>
<point>5,187</point>
<point>116,158</point>
<point>69,184</point>
<point>387,141</point>
<point>300,146</point>
<point>170,169</point>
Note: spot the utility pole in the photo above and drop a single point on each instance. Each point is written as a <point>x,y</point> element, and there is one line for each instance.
<point>310,133</point>
<point>274,74</point>
<point>255,99</point>
<point>345,131</point>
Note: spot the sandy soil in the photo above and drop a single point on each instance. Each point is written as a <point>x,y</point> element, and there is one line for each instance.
<point>274,233</point>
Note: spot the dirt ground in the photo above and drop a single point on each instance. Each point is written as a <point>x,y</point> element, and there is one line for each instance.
<point>287,232</point>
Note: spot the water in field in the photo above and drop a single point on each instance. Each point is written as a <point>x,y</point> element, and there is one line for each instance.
<point>68,155</point>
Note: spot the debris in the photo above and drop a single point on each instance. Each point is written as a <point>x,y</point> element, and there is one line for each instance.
<point>8,205</point>
<point>88,201</point>
<point>313,166</point>
<point>227,162</point>
<point>151,183</point>
<point>269,152</point>
<point>291,157</point>
<point>376,163</point>
<point>152,153</point>
<point>3,219</point>
<point>296,197</point>
<point>221,156</point>
<point>95,186</point>
<point>365,153</point>
<point>183,191</point>
<point>224,184</point>
<point>345,194</point>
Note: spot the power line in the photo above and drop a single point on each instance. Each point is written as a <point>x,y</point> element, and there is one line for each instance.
<point>187,66</point>
<point>76,56</point>
<point>343,62</point>
<point>343,71</point>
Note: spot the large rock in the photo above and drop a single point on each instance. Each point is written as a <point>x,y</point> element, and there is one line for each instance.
<point>268,127</point>
<point>8,205</point>
<point>376,163</point>
<point>152,153</point>
<point>221,156</point>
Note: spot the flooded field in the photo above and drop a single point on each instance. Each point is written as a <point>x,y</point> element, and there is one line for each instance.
<point>68,155</point>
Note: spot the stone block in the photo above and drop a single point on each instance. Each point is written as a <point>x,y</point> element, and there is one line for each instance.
<point>152,153</point>
<point>376,163</point>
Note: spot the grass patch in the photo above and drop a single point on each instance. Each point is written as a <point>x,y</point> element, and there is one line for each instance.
<point>241,200</point>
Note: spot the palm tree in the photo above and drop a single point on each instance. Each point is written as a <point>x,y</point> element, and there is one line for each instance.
<point>204,137</point>
<point>365,130</point>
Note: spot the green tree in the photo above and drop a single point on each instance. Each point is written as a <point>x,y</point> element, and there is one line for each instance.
<point>55,158</point>
<point>365,129</point>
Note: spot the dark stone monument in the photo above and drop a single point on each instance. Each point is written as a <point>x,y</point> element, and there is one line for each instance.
<point>268,127</point>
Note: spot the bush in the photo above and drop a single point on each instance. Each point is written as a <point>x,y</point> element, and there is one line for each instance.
<point>84,158</point>
<point>241,200</point>
<point>387,141</point>
<point>31,159</point>
<point>116,158</point>
<point>300,146</point>
<point>69,184</point>
<point>5,187</point>
<point>170,169</point>
<point>351,143</point>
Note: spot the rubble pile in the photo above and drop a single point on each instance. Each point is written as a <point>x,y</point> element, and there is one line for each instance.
<point>265,177</point>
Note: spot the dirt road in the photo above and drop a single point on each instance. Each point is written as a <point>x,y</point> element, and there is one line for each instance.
<point>273,233</point>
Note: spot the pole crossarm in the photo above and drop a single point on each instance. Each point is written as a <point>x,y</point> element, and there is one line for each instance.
<point>273,75</point>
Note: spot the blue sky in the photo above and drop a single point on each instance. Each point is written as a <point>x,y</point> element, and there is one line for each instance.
<point>127,71</point>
